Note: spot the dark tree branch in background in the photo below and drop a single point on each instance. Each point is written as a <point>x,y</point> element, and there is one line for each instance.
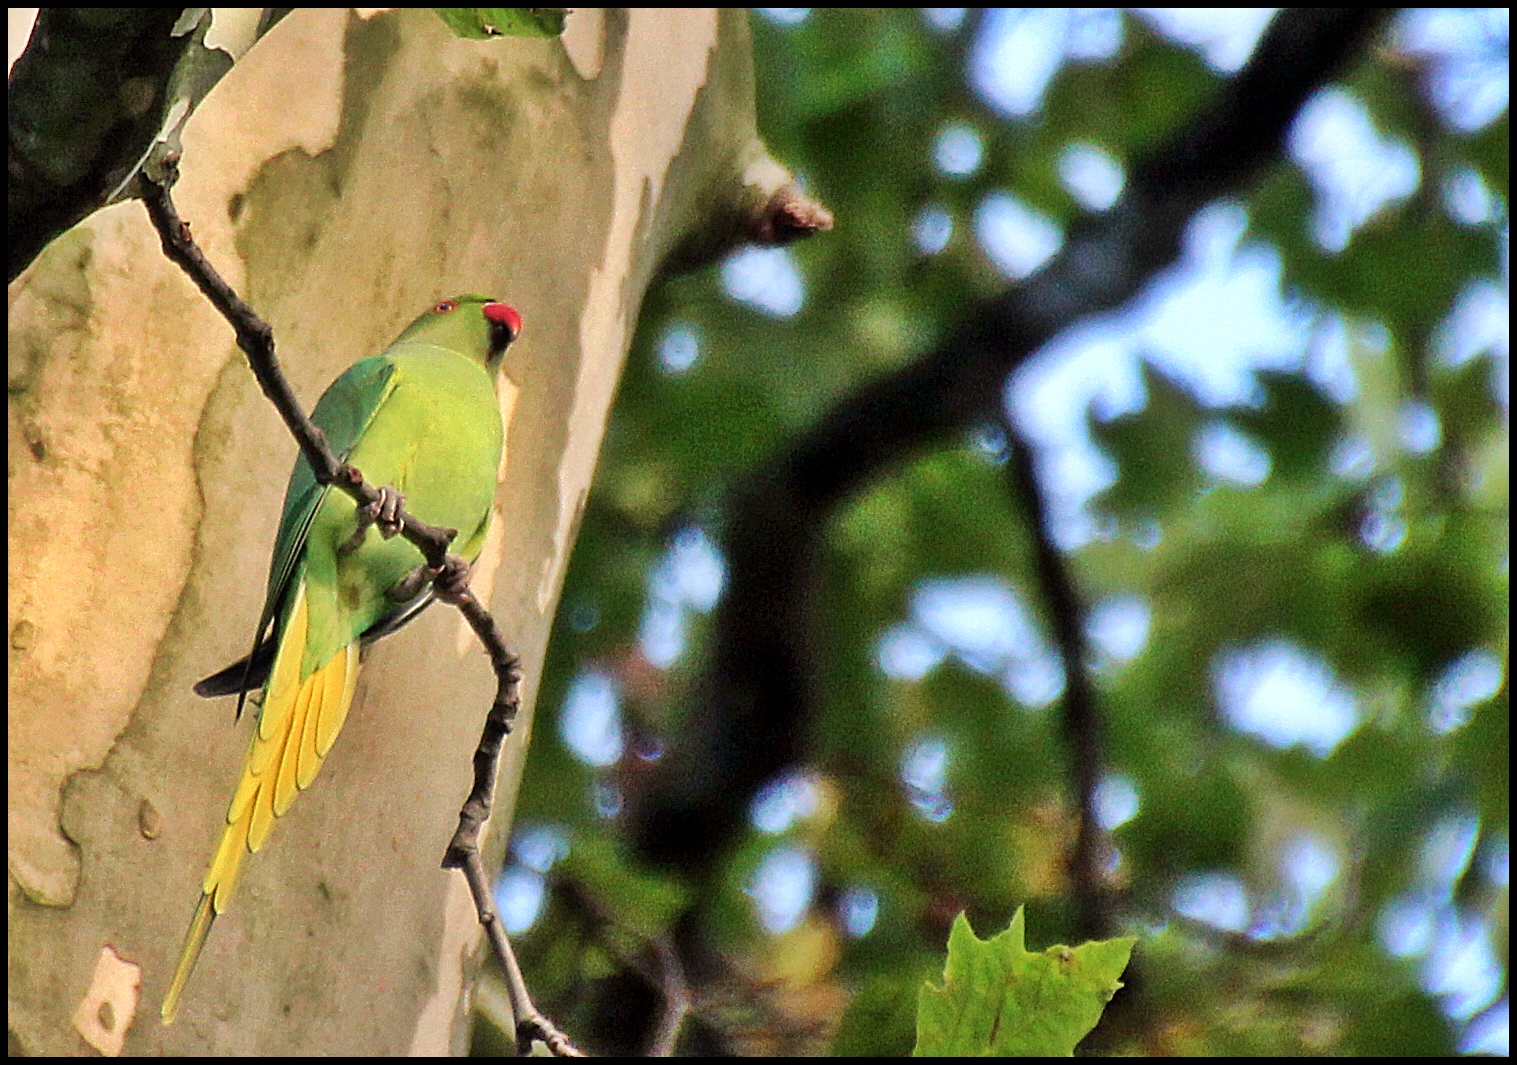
<point>97,92</point>
<point>1080,716</point>
<point>676,999</point>
<point>81,105</point>
<point>751,708</point>
<point>449,575</point>
<point>657,964</point>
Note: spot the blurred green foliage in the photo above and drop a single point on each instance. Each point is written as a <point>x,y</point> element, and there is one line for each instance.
<point>853,101</point>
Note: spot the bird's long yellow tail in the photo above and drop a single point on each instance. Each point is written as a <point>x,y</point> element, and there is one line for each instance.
<point>296,727</point>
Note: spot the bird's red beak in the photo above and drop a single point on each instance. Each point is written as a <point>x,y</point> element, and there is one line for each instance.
<point>505,326</point>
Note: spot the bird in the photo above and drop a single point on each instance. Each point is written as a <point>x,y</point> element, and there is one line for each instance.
<point>421,419</point>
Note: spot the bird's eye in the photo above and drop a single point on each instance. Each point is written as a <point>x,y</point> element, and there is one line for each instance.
<point>444,307</point>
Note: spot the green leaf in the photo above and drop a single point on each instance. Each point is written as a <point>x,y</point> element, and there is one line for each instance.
<point>642,903</point>
<point>1466,401</point>
<point>1433,600</point>
<point>1297,424</point>
<point>997,998</point>
<point>878,1022</point>
<point>1490,150</point>
<point>482,23</point>
<point>1153,449</point>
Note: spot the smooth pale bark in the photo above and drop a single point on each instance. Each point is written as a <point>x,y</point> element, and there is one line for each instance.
<point>345,173</point>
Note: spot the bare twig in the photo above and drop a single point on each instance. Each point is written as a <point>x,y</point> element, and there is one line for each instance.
<point>463,849</point>
<point>448,573</point>
<point>256,340</point>
<point>530,1024</point>
<point>498,723</point>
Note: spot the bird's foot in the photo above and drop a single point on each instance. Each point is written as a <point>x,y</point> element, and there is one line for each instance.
<point>387,510</point>
<point>410,586</point>
<point>384,513</point>
<point>452,580</point>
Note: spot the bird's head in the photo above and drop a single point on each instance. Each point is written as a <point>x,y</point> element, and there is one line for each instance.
<point>477,325</point>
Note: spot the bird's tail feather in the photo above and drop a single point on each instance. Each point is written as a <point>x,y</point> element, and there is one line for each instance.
<point>297,725</point>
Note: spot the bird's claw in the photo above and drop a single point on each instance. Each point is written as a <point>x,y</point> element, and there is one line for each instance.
<point>384,513</point>
<point>452,580</point>
<point>387,510</point>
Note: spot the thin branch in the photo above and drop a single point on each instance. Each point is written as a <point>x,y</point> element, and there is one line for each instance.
<point>256,340</point>
<point>1081,718</point>
<point>530,1023</point>
<point>463,849</point>
<point>668,974</point>
<point>677,1001</point>
<point>254,336</point>
<point>448,573</point>
<point>1243,945</point>
<point>498,724</point>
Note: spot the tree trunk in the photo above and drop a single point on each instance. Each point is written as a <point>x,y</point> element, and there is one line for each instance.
<point>343,175</point>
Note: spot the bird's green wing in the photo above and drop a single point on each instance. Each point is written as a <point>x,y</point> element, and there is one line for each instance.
<point>342,414</point>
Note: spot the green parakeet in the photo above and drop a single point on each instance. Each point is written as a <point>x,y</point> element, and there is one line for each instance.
<point>420,418</point>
